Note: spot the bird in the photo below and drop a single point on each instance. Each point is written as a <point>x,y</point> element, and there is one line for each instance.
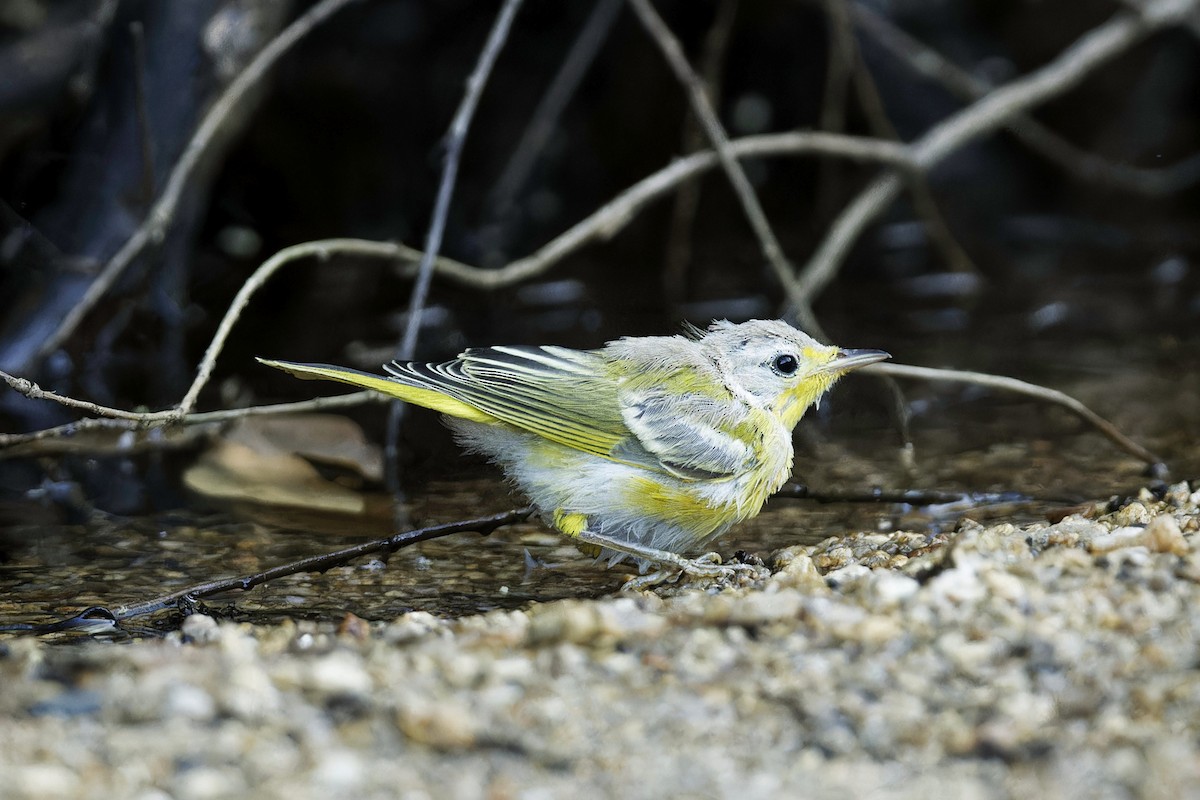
<point>649,447</point>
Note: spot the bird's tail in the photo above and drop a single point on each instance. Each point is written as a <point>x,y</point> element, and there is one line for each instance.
<point>393,387</point>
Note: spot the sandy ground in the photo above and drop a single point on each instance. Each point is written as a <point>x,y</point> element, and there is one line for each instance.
<point>1053,660</point>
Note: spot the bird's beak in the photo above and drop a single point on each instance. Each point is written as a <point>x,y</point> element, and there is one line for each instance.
<point>846,360</point>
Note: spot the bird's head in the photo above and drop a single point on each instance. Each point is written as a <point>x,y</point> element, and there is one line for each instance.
<point>777,367</point>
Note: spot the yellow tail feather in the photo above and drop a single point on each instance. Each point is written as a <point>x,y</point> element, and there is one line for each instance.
<point>428,398</point>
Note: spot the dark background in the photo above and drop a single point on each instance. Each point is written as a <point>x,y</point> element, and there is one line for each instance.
<point>343,140</point>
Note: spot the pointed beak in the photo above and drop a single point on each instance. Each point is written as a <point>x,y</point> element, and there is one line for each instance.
<point>846,360</point>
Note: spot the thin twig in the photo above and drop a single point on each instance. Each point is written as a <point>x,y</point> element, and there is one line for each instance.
<point>606,221</point>
<point>673,52</point>
<point>1080,164</point>
<point>456,138</point>
<point>1007,384</point>
<point>134,422</point>
<point>201,146</point>
<point>991,112</point>
<point>99,617</point>
<point>35,392</point>
<point>678,252</point>
<point>924,204</point>
<point>326,561</point>
<point>320,249</point>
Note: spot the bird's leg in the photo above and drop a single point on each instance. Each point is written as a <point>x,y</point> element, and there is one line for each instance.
<point>706,566</point>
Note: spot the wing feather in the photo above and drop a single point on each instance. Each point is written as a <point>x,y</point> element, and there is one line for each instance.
<point>693,435</point>
<point>562,395</point>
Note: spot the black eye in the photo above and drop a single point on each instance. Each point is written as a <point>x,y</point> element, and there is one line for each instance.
<point>785,364</point>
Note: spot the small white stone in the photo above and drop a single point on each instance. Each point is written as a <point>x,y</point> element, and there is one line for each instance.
<point>339,673</point>
<point>958,585</point>
<point>887,589</point>
<point>189,702</point>
<point>200,629</point>
<point>848,578</point>
<point>43,781</point>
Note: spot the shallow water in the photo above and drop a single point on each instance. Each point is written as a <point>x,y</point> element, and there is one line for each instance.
<point>964,440</point>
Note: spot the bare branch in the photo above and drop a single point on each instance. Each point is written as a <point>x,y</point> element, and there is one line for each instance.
<point>618,212</point>
<point>678,253</point>
<point>602,224</point>
<point>989,113</point>
<point>926,61</point>
<point>321,249</point>
<point>923,201</point>
<point>99,618</point>
<point>455,138</point>
<point>541,123</point>
<point>35,392</point>
<point>672,51</point>
<point>1042,393</point>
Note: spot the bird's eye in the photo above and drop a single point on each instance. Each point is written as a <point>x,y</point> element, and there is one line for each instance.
<point>785,364</point>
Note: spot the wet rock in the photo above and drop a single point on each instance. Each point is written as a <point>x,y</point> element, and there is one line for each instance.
<point>794,567</point>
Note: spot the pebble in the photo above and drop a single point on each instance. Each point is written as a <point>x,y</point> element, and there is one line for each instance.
<point>200,629</point>
<point>412,626</point>
<point>42,781</point>
<point>1160,535</point>
<point>887,590</point>
<point>338,673</point>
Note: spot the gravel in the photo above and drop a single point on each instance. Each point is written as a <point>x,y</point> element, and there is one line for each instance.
<point>985,662</point>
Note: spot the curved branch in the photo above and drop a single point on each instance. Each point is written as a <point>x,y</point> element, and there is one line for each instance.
<point>322,249</point>
<point>618,212</point>
<point>989,113</point>
<point>1007,384</point>
<point>1079,163</point>
<point>673,52</point>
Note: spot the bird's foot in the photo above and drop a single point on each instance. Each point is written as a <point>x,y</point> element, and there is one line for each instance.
<point>672,566</point>
<point>707,567</point>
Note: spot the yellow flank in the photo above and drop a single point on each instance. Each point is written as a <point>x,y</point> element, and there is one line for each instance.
<point>426,398</point>
<point>680,504</point>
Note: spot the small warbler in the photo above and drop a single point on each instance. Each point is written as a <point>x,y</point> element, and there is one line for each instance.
<point>648,447</point>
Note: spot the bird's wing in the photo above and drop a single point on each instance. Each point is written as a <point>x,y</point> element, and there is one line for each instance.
<point>571,397</point>
<point>692,435</point>
<point>560,394</point>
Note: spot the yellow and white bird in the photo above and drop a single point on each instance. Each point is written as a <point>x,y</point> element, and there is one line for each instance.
<point>649,446</point>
